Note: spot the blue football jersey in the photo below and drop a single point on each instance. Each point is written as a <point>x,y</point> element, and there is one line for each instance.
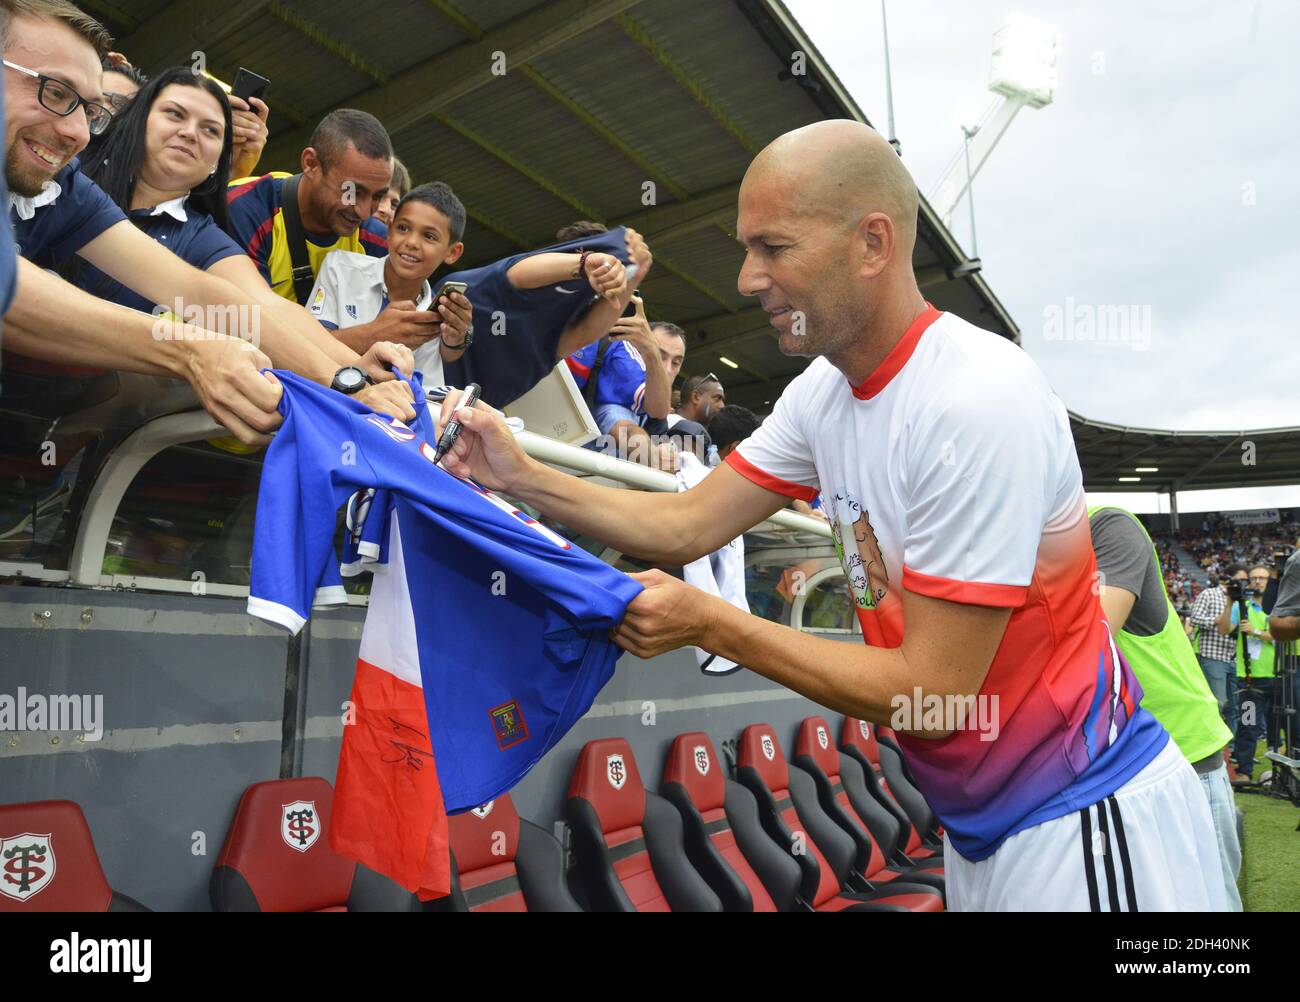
<point>502,622</point>
<point>517,331</point>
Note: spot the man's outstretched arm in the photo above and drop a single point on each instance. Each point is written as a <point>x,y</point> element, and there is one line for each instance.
<point>670,529</point>
<point>947,649</point>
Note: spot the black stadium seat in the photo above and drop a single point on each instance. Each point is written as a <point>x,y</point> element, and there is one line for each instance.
<point>858,742</point>
<point>787,804</point>
<point>48,862</point>
<point>842,794</point>
<point>894,766</point>
<point>504,863</point>
<point>725,840</point>
<point>628,841</point>
<point>277,857</point>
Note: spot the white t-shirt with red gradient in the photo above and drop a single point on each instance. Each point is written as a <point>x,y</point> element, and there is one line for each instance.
<point>951,472</point>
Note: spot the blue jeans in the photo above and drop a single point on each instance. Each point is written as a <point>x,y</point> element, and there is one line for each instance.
<point>1217,674</point>
<point>1256,708</point>
<point>1218,791</point>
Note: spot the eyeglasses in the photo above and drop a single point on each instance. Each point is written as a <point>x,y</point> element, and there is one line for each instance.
<point>117,101</point>
<point>711,378</point>
<point>62,100</point>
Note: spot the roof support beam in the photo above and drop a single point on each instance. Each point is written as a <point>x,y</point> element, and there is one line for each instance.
<point>432,85</point>
<point>180,29</point>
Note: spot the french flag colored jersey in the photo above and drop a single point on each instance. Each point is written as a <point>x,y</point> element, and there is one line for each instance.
<point>485,638</point>
<point>622,374</point>
<point>951,472</point>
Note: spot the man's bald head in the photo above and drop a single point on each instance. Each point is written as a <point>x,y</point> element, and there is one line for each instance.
<point>840,170</point>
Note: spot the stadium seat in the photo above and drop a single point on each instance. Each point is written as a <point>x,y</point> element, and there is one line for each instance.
<point>894,766</point>
<point>48,862</point>
<point>277,857</point>
<point>787,804</point>
<point>504,863</point>
<point>858,742</point>
<point>725,840</point>
<point>628,841</point>
<point>842,794</point>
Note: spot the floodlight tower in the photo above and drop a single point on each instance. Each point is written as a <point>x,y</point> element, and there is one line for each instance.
<point>1024,73</point>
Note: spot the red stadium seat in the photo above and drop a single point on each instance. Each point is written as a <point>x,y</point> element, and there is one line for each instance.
<point>858,742</point>
<point>787,802</point>
<point>48,862</point>
<point>628,842</point>
<point>842,794</point>
<point>503,863</point>
<point>277,857</point>
<point>725,840</point>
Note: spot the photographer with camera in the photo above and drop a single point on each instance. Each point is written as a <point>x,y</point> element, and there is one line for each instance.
<point>1256,653</point>
<point>1216,645</point>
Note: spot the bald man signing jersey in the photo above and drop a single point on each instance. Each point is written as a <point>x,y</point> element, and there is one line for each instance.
<point>955,499</point>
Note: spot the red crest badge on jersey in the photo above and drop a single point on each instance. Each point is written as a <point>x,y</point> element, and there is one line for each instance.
<point>615,771</point>
<point>26,865</point>
<point>508,722</point>
<point>299,825</point>
<point>769,749</point>
<point>822,738</point>
<point>701,755</point>
<point>482,811</point>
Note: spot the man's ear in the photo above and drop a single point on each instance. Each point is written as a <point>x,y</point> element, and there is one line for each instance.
<point>873,243</point>
<point>454,252</point>
<point>310,161</point>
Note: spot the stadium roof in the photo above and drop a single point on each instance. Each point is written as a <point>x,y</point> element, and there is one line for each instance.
<point>538,114</point>
<point>1184,460</point>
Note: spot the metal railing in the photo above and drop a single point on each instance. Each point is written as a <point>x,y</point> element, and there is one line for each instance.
<point>130,457</point>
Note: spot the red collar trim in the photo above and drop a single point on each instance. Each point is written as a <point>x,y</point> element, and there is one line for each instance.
<point>897,358</point>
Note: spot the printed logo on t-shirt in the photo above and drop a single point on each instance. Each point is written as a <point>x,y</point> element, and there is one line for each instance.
<point>318,302</point>
<point>508,722</point>
<point>351,310</point>
<point>863,565</point>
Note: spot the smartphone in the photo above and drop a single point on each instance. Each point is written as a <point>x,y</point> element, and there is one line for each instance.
<point>630,309</point>
<point>249,84</point>
<point>449,287</point>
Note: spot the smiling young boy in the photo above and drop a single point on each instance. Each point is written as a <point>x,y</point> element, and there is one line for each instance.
<point>353,289</point>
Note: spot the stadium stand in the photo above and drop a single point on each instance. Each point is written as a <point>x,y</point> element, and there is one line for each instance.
<point>787,801</point>
<point>725,840</point>
<point>835,774</point>
<point>628,841</point>
<point>858,741</point>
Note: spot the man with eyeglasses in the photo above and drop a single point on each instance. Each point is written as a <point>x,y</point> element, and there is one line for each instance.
<point>53,104</point>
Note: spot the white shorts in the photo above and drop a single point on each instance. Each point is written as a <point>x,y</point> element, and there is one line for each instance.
<point>1150,846</point>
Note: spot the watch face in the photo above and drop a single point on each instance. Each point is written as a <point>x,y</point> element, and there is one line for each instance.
<point>349,379</point>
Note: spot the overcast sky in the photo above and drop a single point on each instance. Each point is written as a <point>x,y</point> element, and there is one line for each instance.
<point>1165,176</point>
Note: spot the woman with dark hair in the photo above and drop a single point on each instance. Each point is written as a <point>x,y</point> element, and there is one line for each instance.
<point>166,160</point>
